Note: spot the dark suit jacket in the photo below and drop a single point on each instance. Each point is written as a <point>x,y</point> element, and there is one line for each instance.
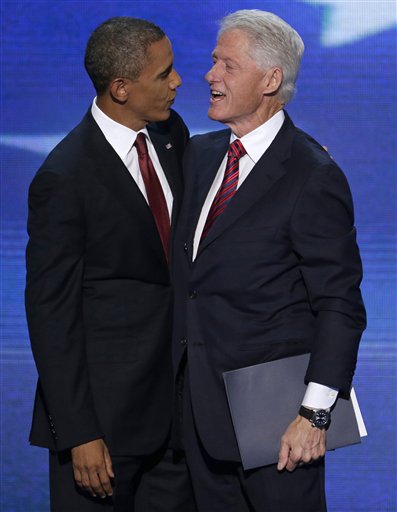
<point>277,275</point>
<point>98,295</point>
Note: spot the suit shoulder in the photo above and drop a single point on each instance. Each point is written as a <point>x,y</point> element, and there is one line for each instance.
<point>201,140</point>
<point>172,124</point>
<point>210,137</point>
<point>306,149</point>
<point>309,158</point>
<point>67,155</point>
<point>176,119</point>
<point>311,165</point>
<point>175,128</point>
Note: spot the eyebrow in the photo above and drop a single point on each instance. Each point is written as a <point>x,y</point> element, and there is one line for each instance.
<point>228,60</point>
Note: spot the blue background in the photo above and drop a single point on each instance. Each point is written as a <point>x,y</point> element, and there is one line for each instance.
<point>346,99</point>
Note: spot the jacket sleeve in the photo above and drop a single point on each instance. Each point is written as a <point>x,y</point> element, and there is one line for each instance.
<point>53,298</point>
<point>324,239</point>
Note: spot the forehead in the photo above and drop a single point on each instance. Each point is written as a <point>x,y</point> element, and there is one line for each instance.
<point>159,54</point>
<point>234,41</point>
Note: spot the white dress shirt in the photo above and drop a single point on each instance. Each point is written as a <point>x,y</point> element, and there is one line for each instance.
<point>122,140</point>
<point>256,143</point>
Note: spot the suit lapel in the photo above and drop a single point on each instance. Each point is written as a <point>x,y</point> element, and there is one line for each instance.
<point>262,177</point>
<point>170,165</point>
<point>110,170</point>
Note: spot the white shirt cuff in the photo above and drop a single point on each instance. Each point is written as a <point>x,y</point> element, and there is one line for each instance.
<point>318,396</point>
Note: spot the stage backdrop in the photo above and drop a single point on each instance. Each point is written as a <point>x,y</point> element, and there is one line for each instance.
<point>346,99</point>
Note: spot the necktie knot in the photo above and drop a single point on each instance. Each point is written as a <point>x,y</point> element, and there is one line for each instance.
<point>236,150</point>
<point>140,144</point>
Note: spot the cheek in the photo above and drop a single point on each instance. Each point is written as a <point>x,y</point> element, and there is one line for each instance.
<point>159,93</point>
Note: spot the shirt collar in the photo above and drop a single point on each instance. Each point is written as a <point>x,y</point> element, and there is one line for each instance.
<point>120,137</point>
<point>258,141</point>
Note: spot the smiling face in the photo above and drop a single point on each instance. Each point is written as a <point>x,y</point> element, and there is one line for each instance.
<point>243,96</point>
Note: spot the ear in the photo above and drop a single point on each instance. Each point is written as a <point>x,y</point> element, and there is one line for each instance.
<point>119,88</point>
<point>272,81</point>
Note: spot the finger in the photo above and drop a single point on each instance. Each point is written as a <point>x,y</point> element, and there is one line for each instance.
<point>105,481</point>
<point>85,483</point>
<point>77,477</point>
<point>96,484</point>
<point>108,463</point>
<point>283,456</point>
<point>307,458</point>
<point>306,463</point>
<point>291,465</point>
<point>293,460</point>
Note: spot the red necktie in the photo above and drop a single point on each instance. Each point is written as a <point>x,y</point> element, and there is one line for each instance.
<point>154,192</point>
<point>228,187</point>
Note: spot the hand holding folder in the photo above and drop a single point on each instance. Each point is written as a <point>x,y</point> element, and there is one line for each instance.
<point>265,398</point>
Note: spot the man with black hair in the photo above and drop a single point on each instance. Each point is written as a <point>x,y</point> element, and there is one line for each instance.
<point>98,297</point>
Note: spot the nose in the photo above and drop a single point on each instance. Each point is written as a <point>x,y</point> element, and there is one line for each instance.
<point>175,79</point>
<point>210,76</point>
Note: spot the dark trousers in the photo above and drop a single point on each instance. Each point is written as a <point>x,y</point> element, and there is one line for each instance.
<point>221,486</point>
<point>157,483</point>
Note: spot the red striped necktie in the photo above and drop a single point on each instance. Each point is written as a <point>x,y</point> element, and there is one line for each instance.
<point>228,187</point>
<point>154,192</point>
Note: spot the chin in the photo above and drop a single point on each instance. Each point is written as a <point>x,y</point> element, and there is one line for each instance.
<point>215,114</point>
<point>161,117</point>
<point>212,115</point>
<point>215,117</point>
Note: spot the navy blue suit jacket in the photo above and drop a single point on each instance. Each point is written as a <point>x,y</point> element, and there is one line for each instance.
<point>98,295</point>
<point>277,275</point>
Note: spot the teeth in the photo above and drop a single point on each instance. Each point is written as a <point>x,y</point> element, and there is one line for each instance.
<point>216,93</point>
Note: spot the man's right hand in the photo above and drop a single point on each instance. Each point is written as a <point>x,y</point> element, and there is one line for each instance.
<point>92,467</point>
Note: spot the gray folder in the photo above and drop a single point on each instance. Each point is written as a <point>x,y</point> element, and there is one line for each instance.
<point>265,398</point>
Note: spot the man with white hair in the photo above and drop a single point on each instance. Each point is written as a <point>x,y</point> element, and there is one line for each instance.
<point>267,267</point>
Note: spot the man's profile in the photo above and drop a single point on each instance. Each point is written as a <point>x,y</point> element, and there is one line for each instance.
<point>266,267</point>
<point>98,294</point>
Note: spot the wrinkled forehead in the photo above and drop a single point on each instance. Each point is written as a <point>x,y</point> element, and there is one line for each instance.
<point>234,39</point>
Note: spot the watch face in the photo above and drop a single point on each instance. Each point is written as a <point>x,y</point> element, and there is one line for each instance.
<point>321,418</point>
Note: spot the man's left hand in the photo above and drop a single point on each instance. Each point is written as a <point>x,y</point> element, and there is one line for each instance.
<point>300,444</point>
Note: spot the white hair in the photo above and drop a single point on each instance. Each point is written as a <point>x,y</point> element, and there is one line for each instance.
<point>274,43</point>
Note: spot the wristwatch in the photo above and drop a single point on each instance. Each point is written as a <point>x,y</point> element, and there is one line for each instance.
<point>319,418</point>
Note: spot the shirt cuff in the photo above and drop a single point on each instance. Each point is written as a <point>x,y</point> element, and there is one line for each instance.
<point>318,396</point>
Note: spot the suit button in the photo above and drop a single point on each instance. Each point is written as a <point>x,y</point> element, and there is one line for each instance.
<point>183,341</point>
<point>185,247</point>
<point>193,294</point>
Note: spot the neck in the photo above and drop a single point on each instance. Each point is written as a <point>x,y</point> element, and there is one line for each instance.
<point>244,126</point>
<point>117,111</point>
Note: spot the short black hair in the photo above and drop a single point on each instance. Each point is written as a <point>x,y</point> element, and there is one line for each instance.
<point>118,47</point>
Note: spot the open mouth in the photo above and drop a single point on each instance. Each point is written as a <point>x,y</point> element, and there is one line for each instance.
<point>216,96</point>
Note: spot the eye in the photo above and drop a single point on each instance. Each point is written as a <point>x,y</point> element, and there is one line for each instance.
<point>229,66</point>
<point>166,73</point>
